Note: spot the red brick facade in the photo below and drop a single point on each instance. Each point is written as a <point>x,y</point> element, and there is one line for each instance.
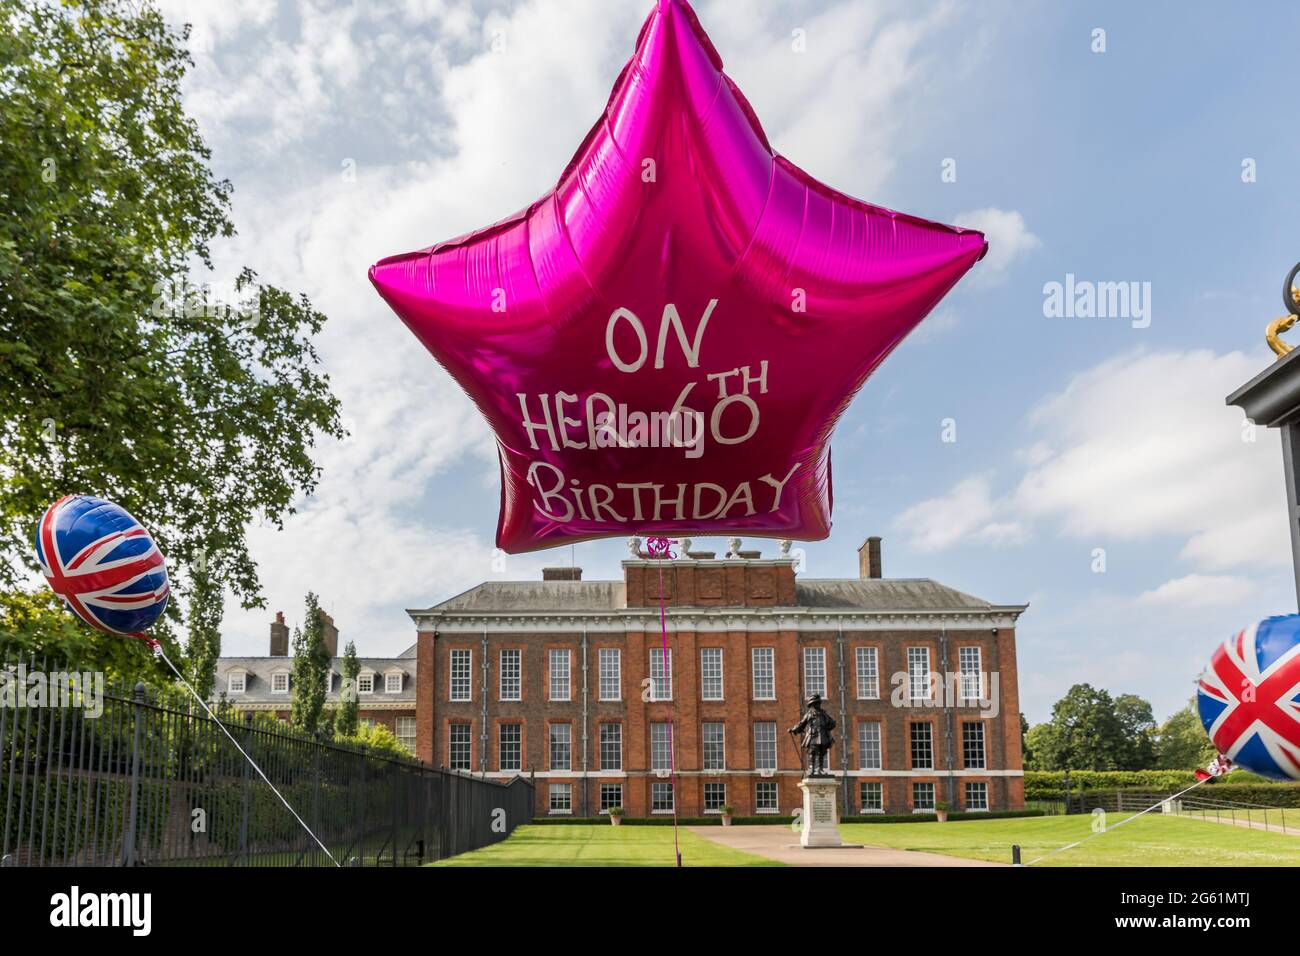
<point>768,614</point>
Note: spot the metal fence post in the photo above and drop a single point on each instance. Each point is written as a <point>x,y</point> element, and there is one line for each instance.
<point>247,790</point>
<point>319,738</point>
<point>137,706</point>
<point>365,799</point>
<point>392,812</point>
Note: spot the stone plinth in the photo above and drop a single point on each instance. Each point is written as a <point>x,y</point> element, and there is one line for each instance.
<point>821,812</point>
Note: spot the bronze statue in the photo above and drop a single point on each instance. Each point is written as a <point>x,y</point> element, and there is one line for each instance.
<point>816,727</point>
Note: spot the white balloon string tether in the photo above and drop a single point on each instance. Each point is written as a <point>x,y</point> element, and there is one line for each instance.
<point>1070,846</point>
<point>158,652</point>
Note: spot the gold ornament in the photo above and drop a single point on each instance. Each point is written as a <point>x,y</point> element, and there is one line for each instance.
<point>1278,326</point>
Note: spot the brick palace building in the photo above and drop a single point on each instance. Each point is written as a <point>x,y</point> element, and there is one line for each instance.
<point>565,680</point>
<point>386,686</point>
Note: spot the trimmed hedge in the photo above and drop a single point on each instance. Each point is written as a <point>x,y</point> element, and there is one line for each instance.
<point>1050,784</point>
<point>774,819</point>
<point>1285,795</point>
<point>654,821</point>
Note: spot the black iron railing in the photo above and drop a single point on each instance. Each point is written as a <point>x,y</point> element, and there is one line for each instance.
<point>118,776</point>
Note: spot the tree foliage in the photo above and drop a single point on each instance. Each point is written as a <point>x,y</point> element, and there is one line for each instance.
<point>1184,744</point>
<point>36,623</point>
<point>121,375</point>
<point>345,723</point>
<point>203,638</point>
<point>311,664</point>
<point>1136,748</point>
<point>1084,733</point>
<point>1091,731</point>
<point>377,738</point>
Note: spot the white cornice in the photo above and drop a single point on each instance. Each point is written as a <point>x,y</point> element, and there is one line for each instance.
<point>722,619</point>
<point>238,704</point>
<point>756,774</point>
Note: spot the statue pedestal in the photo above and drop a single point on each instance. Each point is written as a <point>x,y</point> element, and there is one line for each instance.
<point>821,812</point>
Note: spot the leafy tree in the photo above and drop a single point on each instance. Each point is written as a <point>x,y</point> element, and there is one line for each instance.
<point>1026,748</point>
<point>203,644</point>
<point>37,623</point>
<point>328,725</point>
<point>1137,727</point>
<point>1090,730</point>
<point>346,722</point>
<point>377,737</point>
<point>1182,743</point>
<point>119,373</point>
<point>1041,747</point>
<point>311,662</point>
<point>1085,733</point>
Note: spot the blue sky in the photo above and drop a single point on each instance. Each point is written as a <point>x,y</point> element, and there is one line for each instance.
<point>351,133</point>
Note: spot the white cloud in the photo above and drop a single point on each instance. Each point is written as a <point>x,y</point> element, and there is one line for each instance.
<point>966,513</point>
<point>1139,447</point>
<point>1200,590</point>
<point>838,108</point>
<point>1143,446</point>
<point>1008,237</point>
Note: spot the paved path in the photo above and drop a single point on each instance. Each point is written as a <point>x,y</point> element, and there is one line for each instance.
<point>781,843</point>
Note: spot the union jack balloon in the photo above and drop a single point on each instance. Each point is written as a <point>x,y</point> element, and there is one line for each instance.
<point>103,564</point>
<point>1249,698</point>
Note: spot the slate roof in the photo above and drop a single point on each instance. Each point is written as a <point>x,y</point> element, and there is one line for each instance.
<point>875,594</point>
<point>885,594</point>
<point>499,596</point>
<point>257,688</point>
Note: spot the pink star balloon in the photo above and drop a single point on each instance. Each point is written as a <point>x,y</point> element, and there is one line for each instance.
<point>664,342</point>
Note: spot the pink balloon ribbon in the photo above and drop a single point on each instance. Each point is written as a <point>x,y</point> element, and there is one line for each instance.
<point>659,549</point>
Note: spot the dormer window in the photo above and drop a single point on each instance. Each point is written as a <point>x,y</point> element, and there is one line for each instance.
<point>280,682</point>
<point>236,681</point>
<point>366,682</point>
<point>393,683</point>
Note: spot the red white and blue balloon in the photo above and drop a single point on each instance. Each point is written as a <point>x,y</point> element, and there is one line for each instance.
<point>1249,698</point>
<point>103,564</point>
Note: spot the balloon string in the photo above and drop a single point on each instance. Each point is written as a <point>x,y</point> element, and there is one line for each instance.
<point>1113,826</point>
<point>672,758</point>
<point>158,652</point>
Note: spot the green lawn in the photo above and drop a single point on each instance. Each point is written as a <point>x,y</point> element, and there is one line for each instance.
<point>1153,840</point>
<point>602,846</point>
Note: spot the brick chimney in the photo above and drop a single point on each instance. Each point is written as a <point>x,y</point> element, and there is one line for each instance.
<point>561,574</point>
<point>279,636</point>
<point>331,634</point>
<point>869,559</point>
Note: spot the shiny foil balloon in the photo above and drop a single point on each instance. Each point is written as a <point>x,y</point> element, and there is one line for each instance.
<point>103,564</point>
<point>1249,698</point>
<point>664,342</point>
